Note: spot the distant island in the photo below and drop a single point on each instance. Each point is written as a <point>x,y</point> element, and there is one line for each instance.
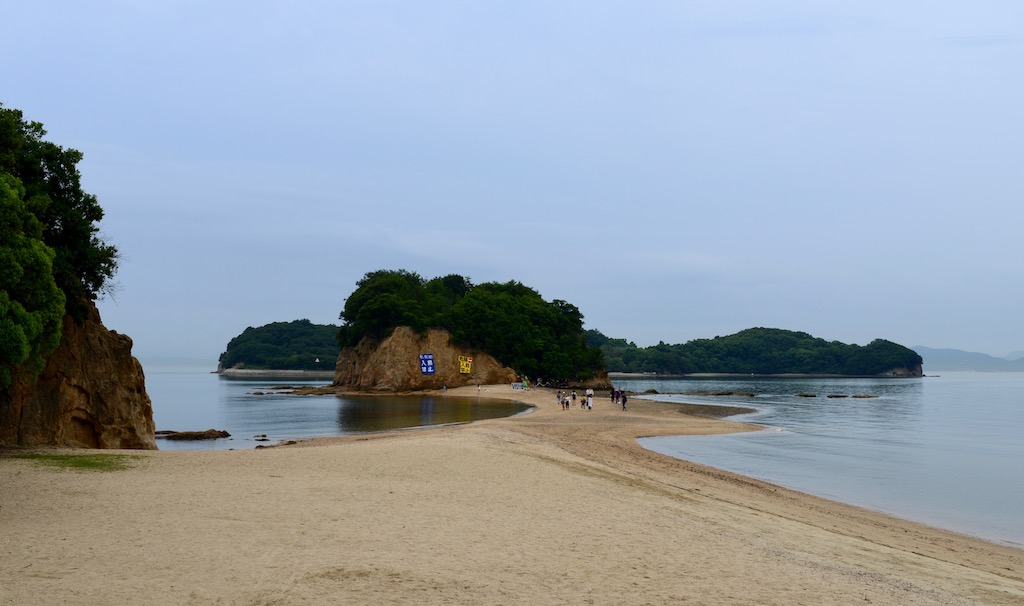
<point>297,345</point>
<point>763,351</point>
<point>538,338</point>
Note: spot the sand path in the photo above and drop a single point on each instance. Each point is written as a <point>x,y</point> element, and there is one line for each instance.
<point>551,507</point>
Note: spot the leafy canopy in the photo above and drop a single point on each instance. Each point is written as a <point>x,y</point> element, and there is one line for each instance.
<point>31,305</point>
<point>83,264</point>
<point>509,321</point>
<point>52,261</point>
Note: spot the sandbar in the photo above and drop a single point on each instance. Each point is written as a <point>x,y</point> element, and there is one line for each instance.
<point>551,507</point>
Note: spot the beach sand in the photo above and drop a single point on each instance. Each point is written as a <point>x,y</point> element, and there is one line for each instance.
<point>550,507</point>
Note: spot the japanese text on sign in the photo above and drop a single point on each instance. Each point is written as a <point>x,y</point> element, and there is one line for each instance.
<point>427,364</point>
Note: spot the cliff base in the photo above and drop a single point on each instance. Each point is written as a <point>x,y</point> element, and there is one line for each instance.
<point>92,394</point>
<point>394,364</point>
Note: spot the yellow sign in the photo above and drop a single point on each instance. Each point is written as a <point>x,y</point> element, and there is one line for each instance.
<point>465,365</point>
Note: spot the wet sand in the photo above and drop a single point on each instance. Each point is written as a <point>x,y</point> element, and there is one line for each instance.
<point>550,507</point>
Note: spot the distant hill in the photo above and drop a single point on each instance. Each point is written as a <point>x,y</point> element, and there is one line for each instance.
<point>957,359</point>
<point>765,351</point>
<point>294,345</point>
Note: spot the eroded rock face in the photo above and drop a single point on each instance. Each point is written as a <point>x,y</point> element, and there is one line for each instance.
<point>394,364</point>
<point>92,394</point>
<point>917,371</point>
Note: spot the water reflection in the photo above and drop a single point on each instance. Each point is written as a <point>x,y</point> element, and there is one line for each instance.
<point>382,413</point>
<point>255,410</point>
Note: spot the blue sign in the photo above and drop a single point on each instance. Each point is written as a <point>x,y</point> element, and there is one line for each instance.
<point>427,364</point>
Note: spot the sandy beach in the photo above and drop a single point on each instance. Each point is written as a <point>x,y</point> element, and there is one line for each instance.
<point>550,507</point>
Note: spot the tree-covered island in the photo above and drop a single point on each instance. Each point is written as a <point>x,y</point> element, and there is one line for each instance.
<point>766,351</point>
<point>509,321</point>
<point>297,345</point>
<point>539,338</point>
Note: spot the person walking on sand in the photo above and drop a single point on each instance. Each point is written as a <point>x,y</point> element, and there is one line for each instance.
<point>590,402</point>
<point>623,400</point>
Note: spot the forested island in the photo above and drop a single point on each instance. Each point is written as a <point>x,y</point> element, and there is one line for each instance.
<point>538,338</point>
<point>297,345</point>
<point>759,351</point>
<point>509,321</point>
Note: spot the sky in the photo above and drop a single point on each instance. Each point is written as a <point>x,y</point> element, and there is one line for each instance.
<point>677,170</point>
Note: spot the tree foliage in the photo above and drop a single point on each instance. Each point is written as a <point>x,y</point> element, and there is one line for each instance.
<point>52,262</point>
<point>31,305</point>
<point>283,346</point>
<point>509,321</point>
<point>82,263</point>
<point>757,351</point>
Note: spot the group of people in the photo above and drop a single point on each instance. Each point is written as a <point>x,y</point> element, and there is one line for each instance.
<point>568,399</point>
<point>619,396</point>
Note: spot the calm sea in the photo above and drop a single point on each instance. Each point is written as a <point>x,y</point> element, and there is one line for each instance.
<point>188,397</point>
<point>947,450</point>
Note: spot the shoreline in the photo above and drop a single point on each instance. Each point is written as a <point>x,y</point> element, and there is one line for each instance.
<point>270,374</point>
<point>549,507</point>
<point>730,375</point>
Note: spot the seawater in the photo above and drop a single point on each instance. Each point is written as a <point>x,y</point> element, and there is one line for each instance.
<point>944,450</point>
<point>188,397</point>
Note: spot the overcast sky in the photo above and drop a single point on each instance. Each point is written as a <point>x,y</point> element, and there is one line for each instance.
<point>677,170</point>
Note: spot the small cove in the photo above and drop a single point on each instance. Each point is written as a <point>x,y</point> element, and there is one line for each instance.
<point>257,411</point>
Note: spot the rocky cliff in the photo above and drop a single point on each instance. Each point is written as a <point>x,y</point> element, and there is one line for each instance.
<point>902,371</point>
<point>394,364</point>
<point>92,394</point>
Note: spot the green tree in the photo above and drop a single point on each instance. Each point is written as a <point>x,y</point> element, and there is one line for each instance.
<point>31,305</point>
<point>513,323</point>
<point>382,300</point>
<point>83,264</point>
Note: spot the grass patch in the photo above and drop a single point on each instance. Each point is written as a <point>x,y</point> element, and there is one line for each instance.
<point>84,462</point>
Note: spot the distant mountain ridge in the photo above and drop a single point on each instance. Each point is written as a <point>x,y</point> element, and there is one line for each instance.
<point>957,359</point>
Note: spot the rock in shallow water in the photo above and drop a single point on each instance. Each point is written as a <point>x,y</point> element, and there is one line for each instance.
<point>209,434</point>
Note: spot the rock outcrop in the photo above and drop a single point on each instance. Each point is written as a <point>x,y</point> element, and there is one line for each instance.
<point>394,364</point>
<point>92,394</point>
<point>192,436</point>
<point>902,371</point>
